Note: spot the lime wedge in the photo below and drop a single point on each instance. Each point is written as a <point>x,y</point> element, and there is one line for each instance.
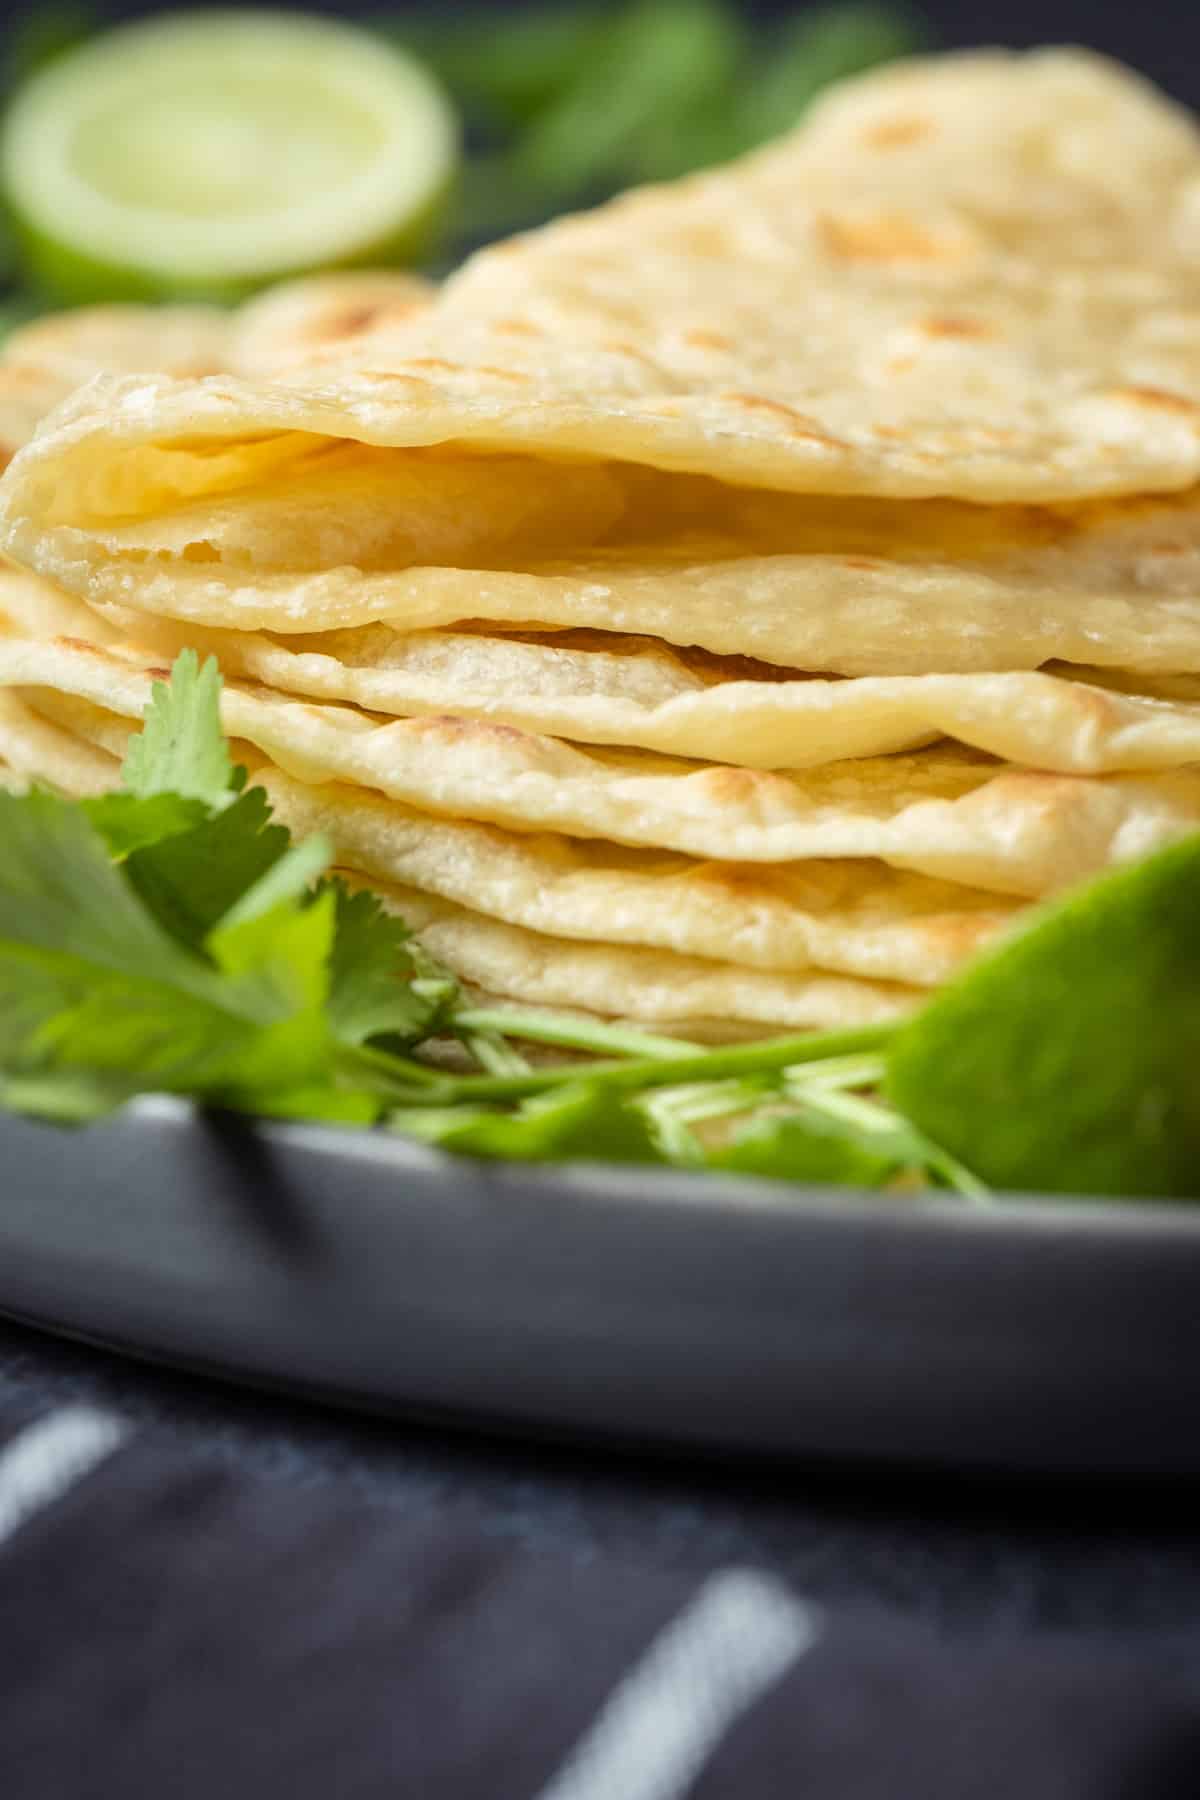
<point>204,155</point>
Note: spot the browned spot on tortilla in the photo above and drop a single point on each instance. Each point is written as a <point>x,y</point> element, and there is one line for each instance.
<point>74,643</point>
<point>1092,703</point>
<point>454,368</point>
<point>731,786</point>
<point>801,424</point>
<point>454,725</point>
<point>707,340</point>
<point>861,562</point>
<point>954,326</point>
<point>900,365</point>
<point>434,362</point>
<point>393,378</point>
<point>894,134</point>
<point>891,237</point>
<point>350,320</point>
<point>517,328</point>
<point>1161,399</point>
<point>699,239</point>
<point>619,347</point>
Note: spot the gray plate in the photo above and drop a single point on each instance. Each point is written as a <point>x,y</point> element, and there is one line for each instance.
<point>654,1308</point>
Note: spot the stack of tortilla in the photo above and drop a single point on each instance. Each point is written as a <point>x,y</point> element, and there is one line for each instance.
<point>727,609</point>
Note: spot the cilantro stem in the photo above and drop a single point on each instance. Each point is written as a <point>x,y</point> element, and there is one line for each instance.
<point>715,1099</point>
<point>959,1177</point>
<point>399,1071</point>
<point>838,1073</point>
<point>494,1054</point>
<point>572,1032</point>
<point>672,1071</point>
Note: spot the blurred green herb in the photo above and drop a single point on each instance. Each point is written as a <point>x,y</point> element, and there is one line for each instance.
<point>662,60</point>
<point>565,106</point>
<point>504,67</point>
<point>816,48</point>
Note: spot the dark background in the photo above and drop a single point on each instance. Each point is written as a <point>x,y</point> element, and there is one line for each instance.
<point>1162,40</point>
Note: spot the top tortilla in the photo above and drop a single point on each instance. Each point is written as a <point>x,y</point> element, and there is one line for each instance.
<point>974,276</point>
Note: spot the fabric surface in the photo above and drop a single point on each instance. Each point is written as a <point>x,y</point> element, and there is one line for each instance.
<point>177,1622</point>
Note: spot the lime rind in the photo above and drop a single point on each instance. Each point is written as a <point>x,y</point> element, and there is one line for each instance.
<point>209,154</point>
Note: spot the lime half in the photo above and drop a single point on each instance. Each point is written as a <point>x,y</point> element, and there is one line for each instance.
<point>206,154</point>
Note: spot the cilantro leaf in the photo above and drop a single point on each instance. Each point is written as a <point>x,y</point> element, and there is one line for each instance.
<point>288,877</point>
<point>64,1097</point>
<point>129,822</point>
<point>807,1145</point>
<point>584,1121</point>
<point>371,991</point>
<point>60,892</point>
<point>190,881</point>
<point>90,982</point>
<point>1068,1059</point>
<point>182,749</point>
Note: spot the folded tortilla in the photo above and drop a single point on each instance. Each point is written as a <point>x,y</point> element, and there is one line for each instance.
<point>603,688</point>
<point>514,964</point>
<point>850,917</point>
<point>44,362</point>
<point>972,279</point>
<point>945,812</point>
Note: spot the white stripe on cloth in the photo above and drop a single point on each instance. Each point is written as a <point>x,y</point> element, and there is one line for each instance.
<point>735,1639</point>
<point>49,1457</point>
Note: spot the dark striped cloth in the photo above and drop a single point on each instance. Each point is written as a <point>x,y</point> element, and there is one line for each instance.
<point>171,1628</point>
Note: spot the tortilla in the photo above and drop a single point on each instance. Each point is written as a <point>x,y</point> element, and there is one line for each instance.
<point>653,986</point>
<point>973,276</point>
<point>854,918</point>
<point>294,531</point>
<point>45,361</point>
<point>944,812</point>
<point>514,964</point>
<point>296,320</point>
<point>42,363</point>
<point>35,749</point>
<point>601,689</point>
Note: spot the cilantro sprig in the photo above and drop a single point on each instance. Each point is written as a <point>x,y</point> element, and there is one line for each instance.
<point>170,937</point>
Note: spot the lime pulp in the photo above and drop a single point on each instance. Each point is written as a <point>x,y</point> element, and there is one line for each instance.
<point>208,154</point>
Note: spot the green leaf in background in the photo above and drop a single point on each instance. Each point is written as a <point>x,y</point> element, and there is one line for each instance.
<point>661,59</point>
<point>1068,1060</point>
<point>16,308</point>
<point>816,48</point>
<point>506,65</point>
